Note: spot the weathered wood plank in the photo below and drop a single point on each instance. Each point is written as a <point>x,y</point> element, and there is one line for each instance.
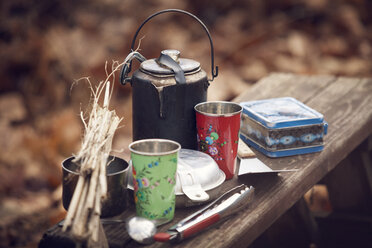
<point>274,197</point>
<point>313,166</point>
<point>352,127</point>
<point>347,106</point>
<point>276,85</point>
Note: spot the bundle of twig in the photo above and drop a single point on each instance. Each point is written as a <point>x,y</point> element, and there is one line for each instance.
<point>83,217</point>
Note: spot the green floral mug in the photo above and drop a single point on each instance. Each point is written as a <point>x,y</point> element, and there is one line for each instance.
<point>154,167</point>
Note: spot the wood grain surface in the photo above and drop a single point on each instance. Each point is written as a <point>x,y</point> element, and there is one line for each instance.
<point>346,104</point>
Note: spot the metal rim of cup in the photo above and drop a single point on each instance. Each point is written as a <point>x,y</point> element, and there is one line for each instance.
<point>198,108</point>
<point>108,174</point>
<point>171,151</point>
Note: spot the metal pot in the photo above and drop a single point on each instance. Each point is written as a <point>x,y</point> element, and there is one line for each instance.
<point>117,178</point>
<point>165,91</point>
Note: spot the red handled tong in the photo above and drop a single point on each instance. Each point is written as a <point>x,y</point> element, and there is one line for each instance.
<point>227,204</point>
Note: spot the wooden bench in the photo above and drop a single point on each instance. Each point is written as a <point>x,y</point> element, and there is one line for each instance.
<point>346,104</point>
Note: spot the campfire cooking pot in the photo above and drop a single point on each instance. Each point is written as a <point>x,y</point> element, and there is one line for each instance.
<point>165,91</point>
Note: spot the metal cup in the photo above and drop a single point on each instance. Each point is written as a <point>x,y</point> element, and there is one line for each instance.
<point>117,196</point>
<point>154,167</point>
<point>218,125</point>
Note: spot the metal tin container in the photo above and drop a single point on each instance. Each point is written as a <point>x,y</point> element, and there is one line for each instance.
<point>282,127</point>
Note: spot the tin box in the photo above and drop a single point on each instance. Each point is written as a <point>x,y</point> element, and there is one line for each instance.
<point>281,127</point>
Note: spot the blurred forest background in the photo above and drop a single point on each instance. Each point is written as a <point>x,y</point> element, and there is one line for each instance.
<point>46,45</point>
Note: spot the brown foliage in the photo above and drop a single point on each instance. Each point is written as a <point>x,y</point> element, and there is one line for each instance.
<point>46,45</point>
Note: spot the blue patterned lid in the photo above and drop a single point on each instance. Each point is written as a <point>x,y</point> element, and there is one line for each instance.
<point>281,112</point>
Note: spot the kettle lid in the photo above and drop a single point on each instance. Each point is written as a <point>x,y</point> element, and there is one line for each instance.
<point>152,66</point>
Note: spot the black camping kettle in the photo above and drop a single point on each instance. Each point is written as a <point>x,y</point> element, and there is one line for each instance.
<point>165,91</point>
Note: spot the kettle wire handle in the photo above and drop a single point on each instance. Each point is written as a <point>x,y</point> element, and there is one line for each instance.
<point>214,70</point>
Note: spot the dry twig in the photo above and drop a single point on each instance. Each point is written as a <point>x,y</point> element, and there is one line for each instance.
<point>83,217</point>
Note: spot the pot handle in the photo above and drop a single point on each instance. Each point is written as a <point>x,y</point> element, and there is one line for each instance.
<point>127,68</point>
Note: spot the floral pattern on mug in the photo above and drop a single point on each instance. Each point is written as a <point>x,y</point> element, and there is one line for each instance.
<point>218,133</point>
<point>210,142</point>
<point>149,184</point>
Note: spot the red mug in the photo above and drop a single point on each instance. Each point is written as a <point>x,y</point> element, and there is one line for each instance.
<point>218,125</point>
